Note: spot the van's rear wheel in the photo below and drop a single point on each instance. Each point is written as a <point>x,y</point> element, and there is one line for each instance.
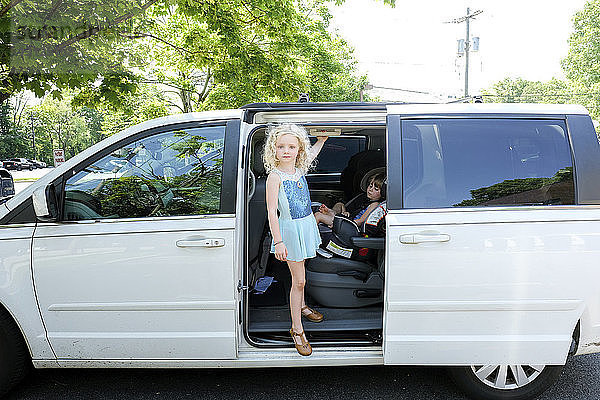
<point>505,382</point>
<point>14,356</point>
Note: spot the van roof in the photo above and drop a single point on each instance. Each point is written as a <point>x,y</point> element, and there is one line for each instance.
<point>424,108</point>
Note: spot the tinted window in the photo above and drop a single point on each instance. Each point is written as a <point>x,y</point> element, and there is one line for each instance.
<point>485,162</point>
<point>336,152</point>
<point>172,173</point>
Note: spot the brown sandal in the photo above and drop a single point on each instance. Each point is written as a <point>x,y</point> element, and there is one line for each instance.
<point>311,315</point>
<point>304,348</point>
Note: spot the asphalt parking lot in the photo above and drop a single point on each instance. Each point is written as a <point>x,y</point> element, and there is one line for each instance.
<point>580,380</point>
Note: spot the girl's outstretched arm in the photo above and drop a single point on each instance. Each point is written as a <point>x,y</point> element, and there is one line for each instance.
<point>316,148</point>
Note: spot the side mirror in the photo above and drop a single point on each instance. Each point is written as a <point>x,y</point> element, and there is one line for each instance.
<point>45,204</point>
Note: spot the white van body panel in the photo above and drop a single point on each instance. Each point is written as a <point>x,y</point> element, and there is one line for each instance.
<point>17,290</point>
<point>18,294</point>
<point>507,287</point>
<point>129,291</point>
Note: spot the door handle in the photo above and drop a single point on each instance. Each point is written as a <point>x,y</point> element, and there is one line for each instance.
<point>424,237</point>
<point>204,242</point>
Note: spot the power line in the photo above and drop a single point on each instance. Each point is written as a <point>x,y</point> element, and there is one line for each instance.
<point>402,90</point>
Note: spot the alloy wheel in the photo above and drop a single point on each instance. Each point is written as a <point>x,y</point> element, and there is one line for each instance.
<point>506,377</point>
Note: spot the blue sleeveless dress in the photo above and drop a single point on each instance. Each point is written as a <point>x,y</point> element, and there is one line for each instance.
<point>297,224</point>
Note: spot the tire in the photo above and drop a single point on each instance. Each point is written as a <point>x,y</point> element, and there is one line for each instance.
<point>30,168</point>
<point>19,168</point>
<point>540,378</point>
<point>15,361</point>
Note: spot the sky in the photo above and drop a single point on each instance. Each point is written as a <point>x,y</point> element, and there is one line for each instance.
<point>410,47</point>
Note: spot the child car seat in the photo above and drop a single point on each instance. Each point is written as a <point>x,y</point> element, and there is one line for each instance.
<point>343,281</point>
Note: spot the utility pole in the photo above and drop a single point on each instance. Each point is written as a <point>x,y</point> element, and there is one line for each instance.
<point>367,86</point>
<point>467,19</point>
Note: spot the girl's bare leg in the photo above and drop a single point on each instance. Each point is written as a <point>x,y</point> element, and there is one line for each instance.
<point>297,294</point>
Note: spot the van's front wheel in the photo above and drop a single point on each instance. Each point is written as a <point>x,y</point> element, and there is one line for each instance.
<point>14,355</point>
<point>505,382</point>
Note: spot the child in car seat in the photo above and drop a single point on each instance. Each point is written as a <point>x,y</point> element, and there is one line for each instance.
<point>375,194</point>
<point>287,157</point>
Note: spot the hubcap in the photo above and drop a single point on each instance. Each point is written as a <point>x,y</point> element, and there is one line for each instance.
<point>507,377</point>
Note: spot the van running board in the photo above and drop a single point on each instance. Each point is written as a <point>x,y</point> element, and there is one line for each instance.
<point>320,338</point>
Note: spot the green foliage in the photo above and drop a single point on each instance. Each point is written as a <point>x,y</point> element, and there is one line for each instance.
<point>226,54</point>
<point>48,46</point>
<point>520,90</point>
<point>582,63</point>
<point>13,138</point>
<point>146,103</point>
<point>104,66</point>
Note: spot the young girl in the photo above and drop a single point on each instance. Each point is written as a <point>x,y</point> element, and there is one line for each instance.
<point>287,157</point>
<point>375,194</point>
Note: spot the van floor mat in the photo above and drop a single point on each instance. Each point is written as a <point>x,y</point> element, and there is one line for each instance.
<point>274,319</point>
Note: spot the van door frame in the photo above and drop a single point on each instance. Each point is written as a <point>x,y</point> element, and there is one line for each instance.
<point>243,287</point>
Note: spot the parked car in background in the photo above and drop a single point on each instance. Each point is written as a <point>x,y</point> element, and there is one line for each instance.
<point>26,164</point>
<point>18,164</point>
<point>7,185</point>
<point>13,164</point>
<point>37,164</point>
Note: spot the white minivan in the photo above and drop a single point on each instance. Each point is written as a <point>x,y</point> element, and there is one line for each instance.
<point>151,248</point>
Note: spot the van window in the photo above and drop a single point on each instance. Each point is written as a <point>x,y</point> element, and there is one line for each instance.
<point>336,153</point>
<point>485,162</point>
<point>168,174</point>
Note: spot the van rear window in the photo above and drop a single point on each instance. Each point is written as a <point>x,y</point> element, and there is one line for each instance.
<point>486,162</point>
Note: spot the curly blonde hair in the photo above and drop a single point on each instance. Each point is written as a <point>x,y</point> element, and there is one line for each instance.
<point>303,163</point>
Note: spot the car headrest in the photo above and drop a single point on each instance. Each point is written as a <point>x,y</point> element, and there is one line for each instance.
<point>364,182</point>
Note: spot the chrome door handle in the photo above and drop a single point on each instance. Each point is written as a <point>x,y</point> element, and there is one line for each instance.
<point>204,242</point>
<point>424,237</point>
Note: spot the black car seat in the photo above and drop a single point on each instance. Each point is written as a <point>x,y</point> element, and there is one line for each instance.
<point>358,165</point>
<point>353,206</point>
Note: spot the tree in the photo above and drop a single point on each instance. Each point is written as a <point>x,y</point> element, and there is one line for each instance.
<point>58,126</point>
<point>147,102</point>
<point>13,139</point>
<point>225,54</point>
<point>48,46</point>
<point>582,63</point>
<point>517,90</point>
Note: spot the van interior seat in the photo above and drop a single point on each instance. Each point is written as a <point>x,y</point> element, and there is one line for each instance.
<point>257,208</point>
<point>343,282</point>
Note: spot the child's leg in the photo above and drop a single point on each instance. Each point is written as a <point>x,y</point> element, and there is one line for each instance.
<point>324,218</point>
<point>297,294</point>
